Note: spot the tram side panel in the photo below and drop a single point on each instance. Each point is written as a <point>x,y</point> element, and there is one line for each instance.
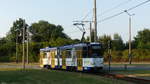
<point>70,59</point>
<point>44,59</point>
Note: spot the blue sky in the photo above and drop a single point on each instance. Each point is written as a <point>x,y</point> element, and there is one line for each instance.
<point>63,12</point>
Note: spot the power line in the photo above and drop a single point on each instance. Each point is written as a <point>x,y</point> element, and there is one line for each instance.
<point>110,17</point>
<point>120,4</point>
<point>115,15</point>
<point>125,2</point>
<point>86,15</point>
<point>138,5</point>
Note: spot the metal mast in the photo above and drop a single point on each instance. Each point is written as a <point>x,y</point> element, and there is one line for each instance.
<point>27,46</point>
<point>130,47</point>
<point>23,57</point>
<point>95,21</point>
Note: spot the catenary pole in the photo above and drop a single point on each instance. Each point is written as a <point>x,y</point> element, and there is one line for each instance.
<point>95,21</point>
<point>16,46</point>
<point>23,45</point>
<point>90,31</point>
<point>130,45</point>
<point>27,46</point>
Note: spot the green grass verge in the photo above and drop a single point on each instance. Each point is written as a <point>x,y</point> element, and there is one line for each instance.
<point>52,77</point>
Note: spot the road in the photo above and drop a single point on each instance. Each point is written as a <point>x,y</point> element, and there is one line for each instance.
<point>106,67</point>
<point>128,67</point>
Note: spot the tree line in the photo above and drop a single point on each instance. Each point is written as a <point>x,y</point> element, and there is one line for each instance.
<point>43,34</point>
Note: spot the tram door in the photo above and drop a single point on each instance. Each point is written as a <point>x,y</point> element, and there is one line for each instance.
<point>52,59</point>
<point>79,60</point>
<point>63,59</point>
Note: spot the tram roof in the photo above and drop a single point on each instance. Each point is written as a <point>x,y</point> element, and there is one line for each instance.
<point>80,44</point>
<point>68,46</point>
<point>74,45</point>
<point>95,43</point>
<point>65,47</point>
<point>48,48</point>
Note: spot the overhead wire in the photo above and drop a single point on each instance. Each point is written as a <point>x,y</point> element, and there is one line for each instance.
<point>122,3</point>
<point>119,5</point>
<point>86,15</point>
<point>115,15</point>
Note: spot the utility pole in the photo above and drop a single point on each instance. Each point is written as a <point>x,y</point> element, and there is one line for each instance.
<point>95,21</point>
<point>16,46</point>
<point>90,31</point>
<point>109,54</point>
<point>27,46</point>
<point>130,58</point>
<point>23,45</point>
<point>130,53</point>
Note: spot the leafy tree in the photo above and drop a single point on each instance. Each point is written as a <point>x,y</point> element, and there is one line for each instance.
<point>2,41</point>
<point>43,31</point>
<point>104,40</point>
<point>16,31</point>
<point>142,40</point>
<point>133,45</point>
<point>117,43</point>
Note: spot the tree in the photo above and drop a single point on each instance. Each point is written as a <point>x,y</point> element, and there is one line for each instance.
<point>142,40</point>
<point>117,42</point>
<point>104,40</point>
<point>16,31</point>
<point>43,31</point>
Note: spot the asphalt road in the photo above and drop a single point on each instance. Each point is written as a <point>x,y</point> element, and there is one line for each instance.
<point>106,67</point>
<point>128,67</point>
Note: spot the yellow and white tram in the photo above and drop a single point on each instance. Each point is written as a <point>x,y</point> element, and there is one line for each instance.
<point>80,57</point>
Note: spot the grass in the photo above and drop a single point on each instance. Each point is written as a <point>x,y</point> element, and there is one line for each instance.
<point>18,76</point>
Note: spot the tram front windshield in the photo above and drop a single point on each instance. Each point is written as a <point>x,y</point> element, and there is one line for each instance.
<point>96,51</point>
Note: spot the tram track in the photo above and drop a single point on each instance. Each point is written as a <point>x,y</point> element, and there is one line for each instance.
<point>113,76</point>
<point>121,77</point>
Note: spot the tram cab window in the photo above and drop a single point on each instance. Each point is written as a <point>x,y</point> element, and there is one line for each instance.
<point>96,51</point>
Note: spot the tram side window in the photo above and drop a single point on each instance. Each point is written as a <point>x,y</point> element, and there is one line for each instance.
<point>85,52</point>
<point>77,49</point>
<point>61,51</point>
<point>68,53</point>
<point>56,53</point>
<point>45,55</point>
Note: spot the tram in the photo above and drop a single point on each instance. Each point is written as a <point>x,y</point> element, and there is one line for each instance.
<point>79,57</point>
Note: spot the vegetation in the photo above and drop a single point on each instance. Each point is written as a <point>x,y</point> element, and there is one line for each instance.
<point>44,34</point>
<point>52,77</point>
<point>140,47</point>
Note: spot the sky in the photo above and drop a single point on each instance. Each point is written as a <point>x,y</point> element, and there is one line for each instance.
<point>64,12</point>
